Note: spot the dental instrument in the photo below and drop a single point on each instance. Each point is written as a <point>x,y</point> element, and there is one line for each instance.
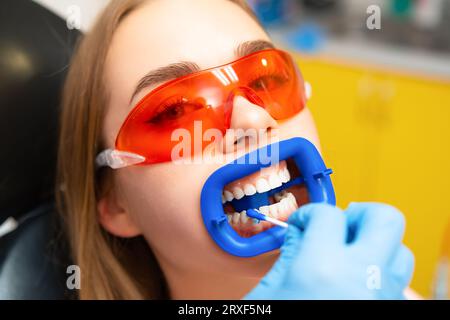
<point>256,214</point>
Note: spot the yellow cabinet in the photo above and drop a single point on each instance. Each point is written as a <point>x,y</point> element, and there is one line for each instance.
<point>387,137</point>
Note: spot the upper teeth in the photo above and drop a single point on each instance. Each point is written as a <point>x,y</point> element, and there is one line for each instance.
<point>249,189</point>
<point>227,195</point>
<point>261,185</point>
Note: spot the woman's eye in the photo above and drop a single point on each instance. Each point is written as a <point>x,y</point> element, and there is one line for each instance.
<point>173,112</point>
<point>267,82</point>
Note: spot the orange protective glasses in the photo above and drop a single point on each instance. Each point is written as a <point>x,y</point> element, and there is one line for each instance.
<point>267,78</point>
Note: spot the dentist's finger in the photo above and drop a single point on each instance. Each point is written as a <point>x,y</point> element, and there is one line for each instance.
<point>402,266</point>
<point>322,224</point>
<point>376,227</point>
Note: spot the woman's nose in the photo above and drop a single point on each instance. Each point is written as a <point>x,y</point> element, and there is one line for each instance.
<point>248,122</point>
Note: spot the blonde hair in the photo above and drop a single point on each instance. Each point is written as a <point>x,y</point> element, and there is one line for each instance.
<point>111,267</point>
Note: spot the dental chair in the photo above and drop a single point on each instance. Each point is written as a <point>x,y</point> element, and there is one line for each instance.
<point>35,49</point>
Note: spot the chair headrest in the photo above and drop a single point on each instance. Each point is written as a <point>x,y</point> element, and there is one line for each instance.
<point>35,49</point>
<point>34,258</point>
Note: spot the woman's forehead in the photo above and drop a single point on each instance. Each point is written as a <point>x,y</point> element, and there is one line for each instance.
<point>160,33</point>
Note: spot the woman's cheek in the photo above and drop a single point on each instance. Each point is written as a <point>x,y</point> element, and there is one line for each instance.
<point>165,204</point>
<point>301,125</point>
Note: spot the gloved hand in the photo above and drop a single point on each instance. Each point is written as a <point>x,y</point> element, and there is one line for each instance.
<point>333,254</point>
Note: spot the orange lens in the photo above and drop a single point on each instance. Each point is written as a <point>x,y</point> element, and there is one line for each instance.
<point>166,115</point>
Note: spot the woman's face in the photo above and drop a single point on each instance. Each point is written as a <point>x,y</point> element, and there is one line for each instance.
<point>162,201</point>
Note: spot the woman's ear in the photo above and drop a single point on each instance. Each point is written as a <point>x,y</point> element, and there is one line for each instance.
<point>115,218</point>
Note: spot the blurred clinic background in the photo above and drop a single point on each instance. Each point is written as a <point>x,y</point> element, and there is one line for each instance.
<point>381,100</point>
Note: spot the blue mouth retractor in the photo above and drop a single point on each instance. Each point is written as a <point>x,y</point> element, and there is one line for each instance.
<point>313,174</point>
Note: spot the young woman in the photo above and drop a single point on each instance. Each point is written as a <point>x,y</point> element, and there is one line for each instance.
<point>137,232</point>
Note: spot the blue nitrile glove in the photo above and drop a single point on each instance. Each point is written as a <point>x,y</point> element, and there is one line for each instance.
<point>333,254</point>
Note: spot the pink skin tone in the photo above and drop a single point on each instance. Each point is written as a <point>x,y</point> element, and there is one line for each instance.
<point>161,201</point>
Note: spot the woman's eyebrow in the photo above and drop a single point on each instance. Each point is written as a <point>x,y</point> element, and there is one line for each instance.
<point>183,68</point>
<point>162,74</point>
<point>249,47</point>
